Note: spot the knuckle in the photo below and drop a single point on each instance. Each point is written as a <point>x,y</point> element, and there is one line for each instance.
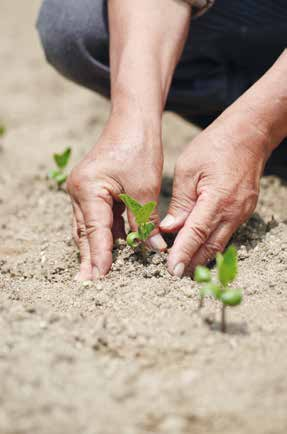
<point>81,231</point>
<point>200,232</point>
<point>181,201</point>
<point>92,226</point>
<point>213,247</point>
<point>186,253</point>
<point>74,182</point>
<point>79,179</point>
<point>149,190</point>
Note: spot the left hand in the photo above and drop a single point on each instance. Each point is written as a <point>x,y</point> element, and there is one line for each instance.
<point>216,187</point>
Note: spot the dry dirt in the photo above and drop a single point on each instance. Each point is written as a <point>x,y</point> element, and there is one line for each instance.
<point>128,354</point>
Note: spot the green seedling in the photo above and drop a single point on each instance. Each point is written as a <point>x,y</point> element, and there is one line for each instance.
<point>227,267</point>
<point>59,175</point>
<point>2,130</point>
<point>142,215</point>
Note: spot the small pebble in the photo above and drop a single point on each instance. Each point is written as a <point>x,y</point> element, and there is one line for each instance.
<point>87,283</point>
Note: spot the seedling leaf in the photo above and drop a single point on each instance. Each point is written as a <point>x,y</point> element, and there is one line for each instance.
<point>227,266</point>
<point>62,160</point>
<point>202,274</point>
<point>60,178</point>
<point>231,297</point>
<point>210,289</point>
<point>2,130</point>
<point>52,174</point>
<point>130,203</point>
<point>144,213</point>
<point>145,230</point>
<point>131,239</point>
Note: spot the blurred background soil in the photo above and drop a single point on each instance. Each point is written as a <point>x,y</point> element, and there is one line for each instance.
<point>128,354</point>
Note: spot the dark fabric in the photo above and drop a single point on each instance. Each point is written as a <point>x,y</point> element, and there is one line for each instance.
<point>227,50</point>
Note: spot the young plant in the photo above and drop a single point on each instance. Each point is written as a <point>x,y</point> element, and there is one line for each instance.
<point>2,130</point>
<point>59,175</point>
<point>142,215</point>
<point>227,268</point>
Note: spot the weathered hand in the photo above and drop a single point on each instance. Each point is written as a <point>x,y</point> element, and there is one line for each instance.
<point>215,190</point>
<point>125,160</point>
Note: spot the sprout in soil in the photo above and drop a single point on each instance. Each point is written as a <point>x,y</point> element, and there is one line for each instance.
<point>142,215</point>
<point>226,265</point>
<point>2,130</point>
<point>61,160</point>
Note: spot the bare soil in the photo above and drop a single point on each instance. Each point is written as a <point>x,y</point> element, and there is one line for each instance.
<point>128,354</point>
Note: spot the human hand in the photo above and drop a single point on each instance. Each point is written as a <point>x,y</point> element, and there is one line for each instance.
<point>126,159</point>
<point>216,188</point>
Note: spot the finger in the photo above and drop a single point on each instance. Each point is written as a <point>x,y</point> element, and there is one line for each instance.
<point>83,244</point>
<point>215,243</point>
<point>155,242</point>
<point>98,215</point>
<point>181,204</point>
<point>203,220</point>
<point>118,229</point>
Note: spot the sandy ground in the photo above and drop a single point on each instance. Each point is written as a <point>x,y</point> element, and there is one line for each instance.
<point>129,354</point>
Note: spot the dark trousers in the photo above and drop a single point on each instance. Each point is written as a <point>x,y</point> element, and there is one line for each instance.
<point>227,50</point>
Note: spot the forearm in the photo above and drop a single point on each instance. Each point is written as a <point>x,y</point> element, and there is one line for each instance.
<point>264,106</point>
<point>147,38</point>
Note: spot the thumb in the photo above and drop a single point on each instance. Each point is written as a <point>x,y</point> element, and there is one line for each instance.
<point>156,241</point>
<point>182,202</point>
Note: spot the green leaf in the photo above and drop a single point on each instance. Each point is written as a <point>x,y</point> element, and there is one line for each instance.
<point>52,174</point>
<point>57,176</point>
<point>2,130</point>
<point>145,230</point>
<point>202,274</point>
<point>62,159</point>
<point>219,260</point>
<point>60,178</point>
<point>231,297</point>
<point>131,239</point>
<point>227,265</point>
<point>211,289</point>
<point>130,203</point>
<point>144,213</point>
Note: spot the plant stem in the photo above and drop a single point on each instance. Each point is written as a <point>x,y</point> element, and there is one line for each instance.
<point>223,319</point>
<point>143,253</point>
<point>201,302</point>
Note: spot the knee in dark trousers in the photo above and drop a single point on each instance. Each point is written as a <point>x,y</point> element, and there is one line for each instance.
<point>74,35</point>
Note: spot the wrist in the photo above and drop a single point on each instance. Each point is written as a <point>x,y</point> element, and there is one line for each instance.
<point>140,117</point>
<point>242,129</point>
<point>128,134</point>
<point>264,105</point>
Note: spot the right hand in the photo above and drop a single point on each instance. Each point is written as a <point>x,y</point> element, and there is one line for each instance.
<point>128,160</point>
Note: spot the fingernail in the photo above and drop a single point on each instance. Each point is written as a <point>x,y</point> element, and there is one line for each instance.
<point>168,221</point>
<point>77,277</point>
<point>179,270</point>
<point>157,242</point>
<point>95,273</point>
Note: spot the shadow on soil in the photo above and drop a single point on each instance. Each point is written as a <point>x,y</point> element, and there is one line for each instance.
<point>232,329</point>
